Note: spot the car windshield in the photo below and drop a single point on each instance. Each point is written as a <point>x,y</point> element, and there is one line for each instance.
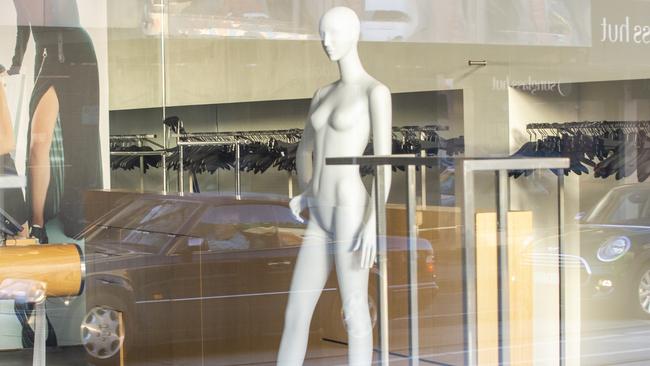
<point>623,207</point>
<point>154,215</point>
<point>120,242</point>
<point>237,227</point>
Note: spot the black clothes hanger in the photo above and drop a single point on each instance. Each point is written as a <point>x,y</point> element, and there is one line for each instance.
<point>609,148</point>
<point>132,162</point>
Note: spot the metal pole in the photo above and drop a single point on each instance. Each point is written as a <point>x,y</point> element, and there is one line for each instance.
<point>469,265</point>
<point>237,170</point>
<point>164,172</point>
<point>382,259</point>
<point>181,167</point>
<point>561,272</point>
<point>414,313</point>
<point>141,168</point>
<point>290,182</point>
<point>423,174</point>
<point>163,81</point>
<point>503,266</point>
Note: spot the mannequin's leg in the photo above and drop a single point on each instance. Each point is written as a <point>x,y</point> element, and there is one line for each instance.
<point>43,123</point>
<point>313,266</point>
<point>353,284</point>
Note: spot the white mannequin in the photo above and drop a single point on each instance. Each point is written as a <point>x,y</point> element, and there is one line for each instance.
<point>341,229</point>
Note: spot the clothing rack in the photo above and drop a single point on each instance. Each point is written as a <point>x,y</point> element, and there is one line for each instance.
<point>233,138</point>
<point>181,161</point>
<point>610,148</point>
<point>238,139</point>
<point>425,127</point>
<point>592,127</point>
<point>140,140</point>
<point>420,132</point>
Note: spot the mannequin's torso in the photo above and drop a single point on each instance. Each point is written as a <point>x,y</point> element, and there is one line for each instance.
<point>341,125</point>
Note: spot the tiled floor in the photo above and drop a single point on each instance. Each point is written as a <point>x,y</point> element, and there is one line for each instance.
<point>75,356</point>
<point>68,356</point>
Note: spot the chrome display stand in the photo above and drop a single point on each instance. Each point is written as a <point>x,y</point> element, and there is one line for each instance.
<point>468,166</point>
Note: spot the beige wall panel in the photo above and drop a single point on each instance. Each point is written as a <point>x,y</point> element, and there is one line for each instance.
<point>522,302</point>
<point>521,286</point>
<point>487,295</point>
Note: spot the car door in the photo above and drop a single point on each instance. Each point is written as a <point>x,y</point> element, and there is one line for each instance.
<point>130,264</point>
<point>245,274</point>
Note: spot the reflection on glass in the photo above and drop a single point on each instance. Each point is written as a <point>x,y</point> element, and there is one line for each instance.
<point>540,22</point>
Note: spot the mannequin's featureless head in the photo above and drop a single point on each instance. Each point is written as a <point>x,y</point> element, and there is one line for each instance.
<point>340,29</point>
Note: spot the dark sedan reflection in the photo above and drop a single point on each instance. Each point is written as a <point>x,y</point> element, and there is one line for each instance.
<point>183,277</point>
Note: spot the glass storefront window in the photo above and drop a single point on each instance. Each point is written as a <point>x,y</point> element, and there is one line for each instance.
<point>182,182</point>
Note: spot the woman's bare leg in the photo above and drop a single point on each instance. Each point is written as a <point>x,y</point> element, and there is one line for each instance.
<point>43,123</point>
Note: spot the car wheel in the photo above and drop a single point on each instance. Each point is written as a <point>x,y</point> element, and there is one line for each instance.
<point>642,292</point>
<point>102,334</point>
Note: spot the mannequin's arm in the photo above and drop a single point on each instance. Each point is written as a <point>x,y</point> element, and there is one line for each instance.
<point>304,155</point>
<point>304,160</point>
<point>381,112</point>
<point>305,165</point>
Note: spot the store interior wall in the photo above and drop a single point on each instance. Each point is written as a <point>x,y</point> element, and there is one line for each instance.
<point>610,101</point>
<point>238,83</point>
<point>223,71</point>
<point>538,193</point>
<point>597,101</point>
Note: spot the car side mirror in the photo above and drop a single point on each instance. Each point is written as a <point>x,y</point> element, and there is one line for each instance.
<point>192,245</point>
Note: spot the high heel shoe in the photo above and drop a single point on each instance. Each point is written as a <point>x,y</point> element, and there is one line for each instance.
<point>39,233</point>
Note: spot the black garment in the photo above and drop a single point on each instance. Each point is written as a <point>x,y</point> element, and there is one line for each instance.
<point>65,61</point>
<point>23,312</point>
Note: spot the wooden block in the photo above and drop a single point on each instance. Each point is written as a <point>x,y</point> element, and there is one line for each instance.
<point>487,297</point>
<point>520,227</point>
<point>20,242</point>
<point>60,266</point>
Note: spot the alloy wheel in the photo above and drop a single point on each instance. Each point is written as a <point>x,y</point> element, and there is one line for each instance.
<point>101,332</point>
<point>644,292</point>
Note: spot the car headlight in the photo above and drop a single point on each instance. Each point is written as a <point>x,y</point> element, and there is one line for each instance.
<point>614,249</point>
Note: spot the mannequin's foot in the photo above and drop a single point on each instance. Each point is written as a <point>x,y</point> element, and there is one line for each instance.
<point>39,233</point>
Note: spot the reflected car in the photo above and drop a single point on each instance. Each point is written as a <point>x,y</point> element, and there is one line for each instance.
<point>614,253</point>
<point>393,20</point>
<point>615,245</point>
<point>184,277</point>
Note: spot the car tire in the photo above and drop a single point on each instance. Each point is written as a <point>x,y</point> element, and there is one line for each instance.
<point>104,333</point>
<point>641,293</point>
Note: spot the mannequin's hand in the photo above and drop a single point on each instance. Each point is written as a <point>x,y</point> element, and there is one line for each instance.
<point>366,243</point>
<point>297,205</point>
